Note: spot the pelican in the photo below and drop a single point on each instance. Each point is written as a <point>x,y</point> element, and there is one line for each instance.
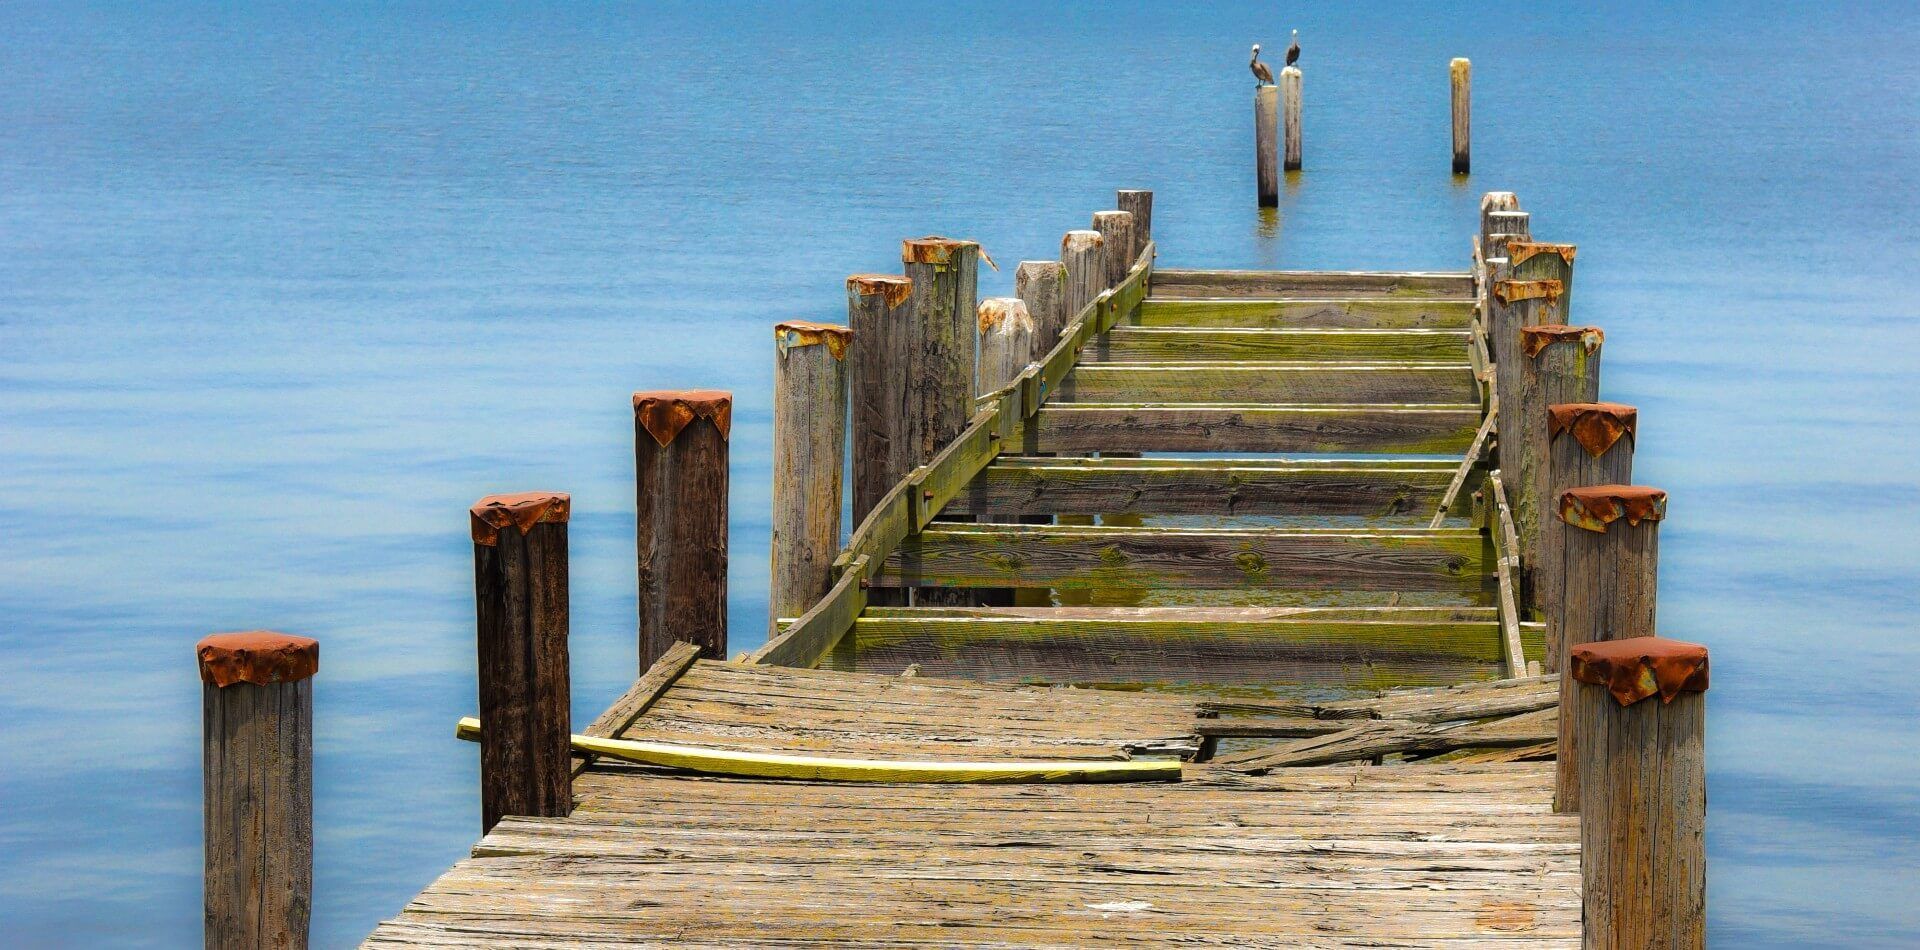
<point>1293,52</point>
<point>1262,76</point>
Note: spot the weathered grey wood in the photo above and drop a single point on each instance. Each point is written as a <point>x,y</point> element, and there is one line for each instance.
<point>1251,428</point>
<point>1252,382</point>
<point>1506,546</point>
<point>644,692</point>
<point>521,604</point>
<point>1460,82</point>
<point>1042,286</point>
<point>1376,738</point>
<point>1155,344</point>
<point>257,775</point>
<point>1382,313</point>
<point>1203,487</point>
<point>1489,203</point>
<point>1513,306</point>
<point>1266,145</point>
<point>1116,245</point>
<point>809,446</point>
<point>1597,449</point>
<point>1504,697</point>
<point>1643,813</point>
<point>1290,117</point>
<point>1533,260</point>
<point>1608,593</point>
<point>879,312</point>
<point>1180,283</point>
<point>1138,203</point>
<point>945,275</point>
<point>1086,557</point>
<point>1084,258</point>
<point>680,493</point>
<point>1556,367</point>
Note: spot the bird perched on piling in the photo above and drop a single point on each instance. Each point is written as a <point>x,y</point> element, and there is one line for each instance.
<point>1262,76</point>
<point>1293,52</point>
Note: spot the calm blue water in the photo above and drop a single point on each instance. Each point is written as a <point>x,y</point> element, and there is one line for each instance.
<point>283,291</point>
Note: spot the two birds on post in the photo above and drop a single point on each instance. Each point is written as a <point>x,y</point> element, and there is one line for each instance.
<point>1261,74</point>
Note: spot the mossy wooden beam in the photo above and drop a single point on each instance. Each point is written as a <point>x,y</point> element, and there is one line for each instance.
<point>1364,313</point>
<point>1435,430</point>
<point>1129,558</point>
<point>1166,344</point>
<point>1218,487</point>
<point>1304,383</point>
<point>815,633</point>
<point>1181,282</point>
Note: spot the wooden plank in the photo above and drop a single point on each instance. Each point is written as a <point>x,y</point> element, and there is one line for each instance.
<point>644,691</point>
<point>1437,430</point>
<point>815,633</point>
<point>1472,701</point>
<point>1189,283</point>
<point>1304,383</point>
<point>1201,487</point>
<point>956,465</point>
<point>1170,344</point>
<point>1375,738</point>
<point>1506,549</point>
<point>1209,614</point>
<point>1120,558</point>
<point>1327,313</point>
<point>1467,461</point>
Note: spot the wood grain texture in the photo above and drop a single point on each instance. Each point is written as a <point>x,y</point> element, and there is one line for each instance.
<point>1250,382</point>
<point>1166,344</point>
<point>1252,428</point>
<point>1042,286</point>
<point>1612,579</point>
<point>680,498</point>
<point>1084,258</point>
<point>809,452</point>
<point>1308,310</point>
<point>1291,132</point>
<point>1266,145</point>
<point>521,601</point>
<point>882,348</point>
<point>257,768</point>
<point>1561,372</point>
<point>1138,203</point>
<point>1179,283</point>
<point>1571,466</point>
<point>1460,87</point>
<point>1381,737</point>
<point>1117,243</point>
<point>1203,487</point>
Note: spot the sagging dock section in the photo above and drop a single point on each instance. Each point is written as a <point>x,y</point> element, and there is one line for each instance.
<point>1225,609</point>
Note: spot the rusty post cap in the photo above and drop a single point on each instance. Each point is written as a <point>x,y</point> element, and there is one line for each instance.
<point>1595,425</point>
<point>1534,339</point>
<point>260,657</point>
<point>1518,251</point>
<point>1638,667</point>
<point>1508,291</point>
<point>932,249</point>
<point>1597,506</point>
<point>664,412</point>
<point>522,510</point>
<point>895,287</point>
<point>791,333</point>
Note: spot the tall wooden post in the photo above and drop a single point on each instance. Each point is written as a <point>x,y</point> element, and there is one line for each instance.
<point>680,463</point>
<point>1511,306</point>
<point>1460,78</point>
<point>945,275</point>
<point>520,600</point>
<point>1532,260</point>
<point>1006,341</point>
<point>809,444</point>
<point>1116,241</point>
<point>1266,145</point>
<point>1042,286</point>
<point>1505,224</point>
<point>1610,561</point>
<point>256,701</point>
<point>1584,447</point>
<point>1640,712</point>
<point>1557,364</point>
<point>1290,108</point>
<point>879,312</point>
<point>1083,257</point>
<point>1489,203</point>
<point>1140,205</point>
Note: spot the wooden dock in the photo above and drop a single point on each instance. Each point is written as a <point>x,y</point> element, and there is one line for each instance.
<point>1250,534</point>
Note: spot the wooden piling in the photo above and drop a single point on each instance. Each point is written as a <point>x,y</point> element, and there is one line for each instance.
<point>680,463</point>
<point>809,445</point>
<point>1266,145</point>
<point>1558,364</point>
<point>1506,224</point>
<point>1588,443</point>
<point>1084,258</point>
<point>879,313</point>
<point>1006,341</point>
<point>1610,560</point>
<point>945,276</point>
<point>1042,286</point>
<point>1116,244</point>
<point>520,600</point>
<point>257,774</point>
<point>1512,306</point>
<point>1489,203</point>
<point>1139,204</point>
<point>1460,78</point>
<point>1639,710</point>
<point>1290,109</point>
<point>1533,260</point>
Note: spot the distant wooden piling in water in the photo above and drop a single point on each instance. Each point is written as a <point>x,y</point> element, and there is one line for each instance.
<point>1116,244</point>
<point>1558,364</point>
<point>1610,563</point>
<point>1639,709</point>
<point>1042,286</point>
<point>1138,203</point>
<point>1460,80</point>
<point>680,497</point>
<point>257,775</point>
<point>809,445</point>
<point>1588,443</point>
<point>1266,145</point>
<point>1290,111</point>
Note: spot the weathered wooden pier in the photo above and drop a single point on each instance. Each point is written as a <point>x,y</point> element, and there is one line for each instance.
<point>1180,606</point>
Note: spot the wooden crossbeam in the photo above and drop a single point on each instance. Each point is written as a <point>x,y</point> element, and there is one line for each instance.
<point>1291,382</point>
<point>1165,344</point>
<point>1437,430</point>
<point>1038,486</point>
<point>1357,313</point>
<point>1176,282</point>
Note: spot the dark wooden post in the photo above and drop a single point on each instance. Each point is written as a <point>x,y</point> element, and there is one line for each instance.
<point>1042,286</point>
<point>680,496</point>
<point>257,771</point>
<point>809,446</point>
<point>1116,243</point>
<point>1460,80</point>
<point>1266,145</point>
<point>520,599</point>
<point>1512,306</point>
<point>1139,204</point>
<point>1084,259</point>
<point>879,311</point>
<point>945,275</point>
<point>1640,712</point>
<point>1611,559</point>
<point>1557,364</point>
<point>1290,121</point>
<point>1584,447</point>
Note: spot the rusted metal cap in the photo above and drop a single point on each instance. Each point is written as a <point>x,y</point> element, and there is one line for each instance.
<point>1518,251</point>
<point>522,511</point>
<point>1509,291</point>
<point>895,287</point>
<point>931,249</point>
<point>1596,425</point>
<point>1597,506</point>
<point>997,310</point>
<point>259,657</point>
<point>1638,667</point>
<point>792,333</point>
<point>1536,338</point>
<point>663,413</point>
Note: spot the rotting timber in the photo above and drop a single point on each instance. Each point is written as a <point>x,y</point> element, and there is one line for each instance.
<point>1239,644</point>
